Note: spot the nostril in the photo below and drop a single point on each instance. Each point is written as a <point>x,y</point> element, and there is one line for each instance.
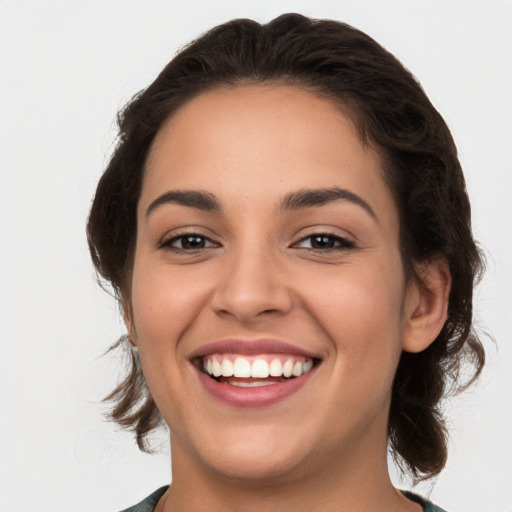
<point>248,295</point>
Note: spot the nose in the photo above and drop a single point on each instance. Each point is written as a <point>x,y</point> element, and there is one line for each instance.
<point>252,287</point>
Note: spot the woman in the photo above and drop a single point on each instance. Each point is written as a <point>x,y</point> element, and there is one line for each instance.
<point>286,226</point>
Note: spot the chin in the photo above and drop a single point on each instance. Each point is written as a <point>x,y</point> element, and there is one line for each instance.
<point>255,455</point>
<point>253,468</point>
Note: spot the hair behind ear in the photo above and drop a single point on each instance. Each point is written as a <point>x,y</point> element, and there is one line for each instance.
<point>134,408</point>
<point>433,353</point>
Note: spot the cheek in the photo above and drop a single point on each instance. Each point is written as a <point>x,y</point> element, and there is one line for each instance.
<point>361,312</point>
<point>163,304</point>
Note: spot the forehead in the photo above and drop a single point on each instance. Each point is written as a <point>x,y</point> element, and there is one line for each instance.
<point>262,140</point>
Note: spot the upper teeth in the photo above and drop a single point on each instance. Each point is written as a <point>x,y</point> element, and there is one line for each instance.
<point>231,365</point>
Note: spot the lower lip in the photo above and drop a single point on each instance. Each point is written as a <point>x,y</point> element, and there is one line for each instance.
<point>253,397</point>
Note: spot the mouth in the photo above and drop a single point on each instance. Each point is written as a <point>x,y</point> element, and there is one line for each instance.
<point>253,373</point>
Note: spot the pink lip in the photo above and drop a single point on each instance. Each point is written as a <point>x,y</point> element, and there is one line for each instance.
<point>253,397</point>
<point>250,348</point>
<point>257,396</point>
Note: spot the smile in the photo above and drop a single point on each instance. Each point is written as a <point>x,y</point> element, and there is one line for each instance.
<point>249,374</point>
<point>229,368</point>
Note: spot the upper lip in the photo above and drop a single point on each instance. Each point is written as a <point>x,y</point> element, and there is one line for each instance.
<point>251,348</point>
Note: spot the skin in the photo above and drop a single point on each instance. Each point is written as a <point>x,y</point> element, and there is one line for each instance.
<point>259,276</point>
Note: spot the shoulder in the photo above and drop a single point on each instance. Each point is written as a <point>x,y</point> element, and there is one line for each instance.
<point>427,505</point>
<point>148,504</point>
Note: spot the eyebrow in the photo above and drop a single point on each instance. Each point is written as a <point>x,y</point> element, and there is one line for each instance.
<point>298,200</point>
<point>308,198</point>
<point>193,198</point>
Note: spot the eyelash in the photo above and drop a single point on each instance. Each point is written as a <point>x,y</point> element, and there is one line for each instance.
<point>343,244</point>
<point>168,243</point>
<point>337,243</point>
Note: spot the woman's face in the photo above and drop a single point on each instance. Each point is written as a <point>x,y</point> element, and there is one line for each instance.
<point>267,244</point>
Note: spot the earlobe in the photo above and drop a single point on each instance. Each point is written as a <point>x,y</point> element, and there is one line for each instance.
<point>426,307</point>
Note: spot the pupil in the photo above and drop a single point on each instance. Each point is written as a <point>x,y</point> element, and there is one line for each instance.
<point>192,242</point>
<point>323,242</point>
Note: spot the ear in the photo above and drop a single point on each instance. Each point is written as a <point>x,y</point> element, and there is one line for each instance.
<point>426,306</point>
<point>128,321</point>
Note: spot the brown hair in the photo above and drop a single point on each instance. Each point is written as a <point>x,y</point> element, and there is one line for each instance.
<point>394,115</point>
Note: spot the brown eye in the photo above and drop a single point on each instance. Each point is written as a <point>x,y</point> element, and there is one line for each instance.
<point>188,242</point>
<point>324,241</point>
<point>192,242</point>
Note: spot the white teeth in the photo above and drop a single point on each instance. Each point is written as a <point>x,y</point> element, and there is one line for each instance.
<point>242,368</point>
<point>231,365</point>
<point>288,368</point>
<point>227,368</point>
<point>260,369</point>
<point>258,384</point>
<point>276,368</point>
<point>217,370</point>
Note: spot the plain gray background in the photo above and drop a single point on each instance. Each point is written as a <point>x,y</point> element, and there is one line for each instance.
<point>65,69</point>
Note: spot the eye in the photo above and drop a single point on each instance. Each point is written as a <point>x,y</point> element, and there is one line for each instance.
<point>325,242</point>
<point>188,242</point>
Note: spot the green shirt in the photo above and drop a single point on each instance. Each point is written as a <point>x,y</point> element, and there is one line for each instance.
<point>149,504</point>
